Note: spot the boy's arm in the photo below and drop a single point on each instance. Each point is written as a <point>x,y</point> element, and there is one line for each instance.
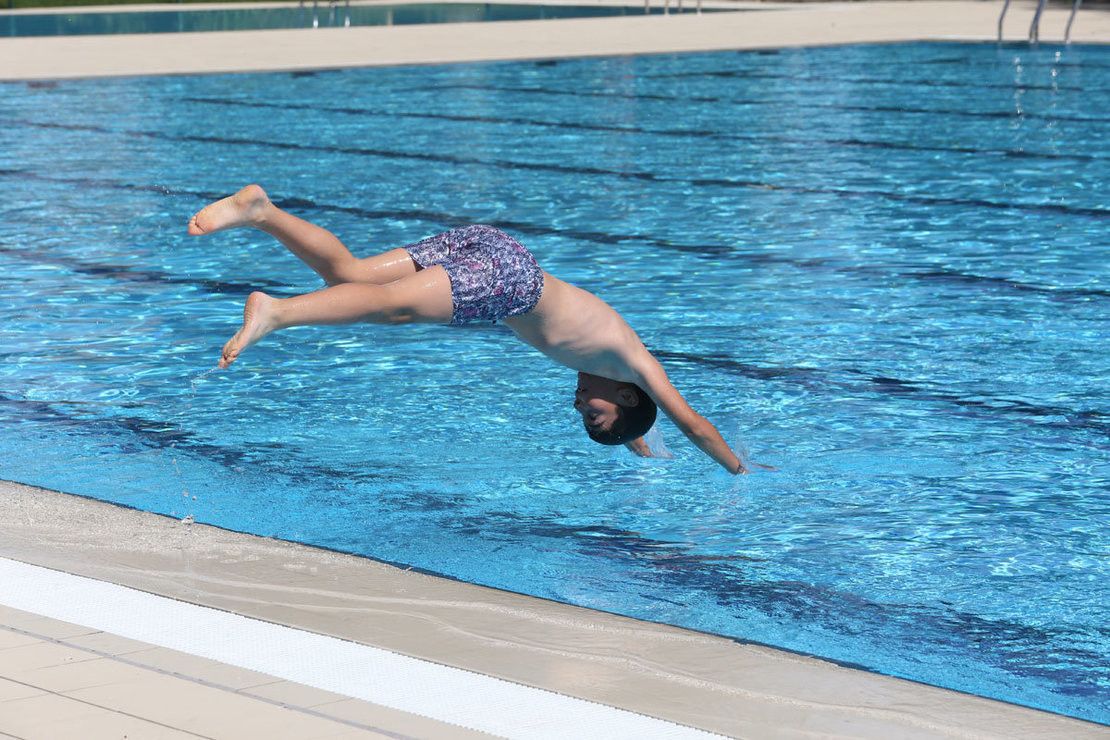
<point>653,379</point>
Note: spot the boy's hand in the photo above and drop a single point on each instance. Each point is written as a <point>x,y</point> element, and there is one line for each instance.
<point>640,447</point>
<point>747,467</point>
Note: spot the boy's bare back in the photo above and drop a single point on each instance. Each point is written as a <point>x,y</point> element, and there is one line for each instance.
<point>577,329</point>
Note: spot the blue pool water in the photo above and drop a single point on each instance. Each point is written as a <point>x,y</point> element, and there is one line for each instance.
<point>881,268</point>
<point>324,15</point>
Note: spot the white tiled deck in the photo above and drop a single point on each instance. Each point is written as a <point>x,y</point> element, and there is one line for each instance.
<point>62,680</point>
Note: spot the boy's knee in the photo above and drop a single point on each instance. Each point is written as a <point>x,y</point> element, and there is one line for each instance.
<point>392,309</point>
<point>398,315</point>
<point>347,271</point>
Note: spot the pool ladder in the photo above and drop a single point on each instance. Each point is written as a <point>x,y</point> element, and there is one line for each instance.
<point>333,5</point>
<point>1035,27</point>
<point>667,6</point>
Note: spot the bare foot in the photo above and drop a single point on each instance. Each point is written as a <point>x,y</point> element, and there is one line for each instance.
<point>258,321</point>
<point>245,208</point>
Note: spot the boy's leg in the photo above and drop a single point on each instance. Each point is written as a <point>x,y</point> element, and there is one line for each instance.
<point>316,247</point>
<point>424,297</point>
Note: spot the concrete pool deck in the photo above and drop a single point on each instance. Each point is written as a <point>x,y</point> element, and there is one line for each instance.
<point>768,25</point>
<point>56,674</point>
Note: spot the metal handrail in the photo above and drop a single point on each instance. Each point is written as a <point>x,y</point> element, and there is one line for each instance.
<point>333,5</point>
<point>1071,19</point>
<point>1005,7</point>
<point>678,7</point>
<point>1035,26</point>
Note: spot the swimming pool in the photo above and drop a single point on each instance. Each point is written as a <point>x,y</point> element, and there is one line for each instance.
<point>306,16</point>
<point>881,268</point>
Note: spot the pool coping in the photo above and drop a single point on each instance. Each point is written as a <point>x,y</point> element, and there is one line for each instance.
<point>778,26</point>
<point>682,676</point>
<point>196,7</point>
<point>132,655</point>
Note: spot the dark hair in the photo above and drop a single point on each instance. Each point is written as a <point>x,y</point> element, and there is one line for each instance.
<point>632,422</point>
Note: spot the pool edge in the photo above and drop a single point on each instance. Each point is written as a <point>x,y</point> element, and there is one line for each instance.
<point>812,24</point>
<point>687,677</point>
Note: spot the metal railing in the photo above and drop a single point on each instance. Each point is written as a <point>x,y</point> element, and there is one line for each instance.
<point>1035,26</point>
<point>333,6</point>
<point>667,6</point>
<point>1071,19</point>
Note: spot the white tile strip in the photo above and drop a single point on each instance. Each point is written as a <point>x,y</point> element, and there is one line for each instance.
<point>416,686</point>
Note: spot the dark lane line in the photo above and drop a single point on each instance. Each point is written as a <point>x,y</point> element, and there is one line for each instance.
<point>441,219</point>
<point>725,577</point>
<point>160,434</point>
<point>963,278</point>
<point>126,274</point>
<point>968,61</point>
<point>905,198</point>
<point>677,562</point>
<point>1089,420</point>
<point>358,151</point>
<point>972,62</point>
<point>598,171</point>
<point>763,75</point>
<point>639,130</point>
<point>1018,115</point>
<point>438,218</point>
<point>755,102</point>
<point>1018,646</point>
<point>1092,420</point>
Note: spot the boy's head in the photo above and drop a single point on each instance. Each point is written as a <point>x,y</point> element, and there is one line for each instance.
<point>613,412</point>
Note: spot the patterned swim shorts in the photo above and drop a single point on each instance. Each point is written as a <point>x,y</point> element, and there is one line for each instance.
<point>492,275</point>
